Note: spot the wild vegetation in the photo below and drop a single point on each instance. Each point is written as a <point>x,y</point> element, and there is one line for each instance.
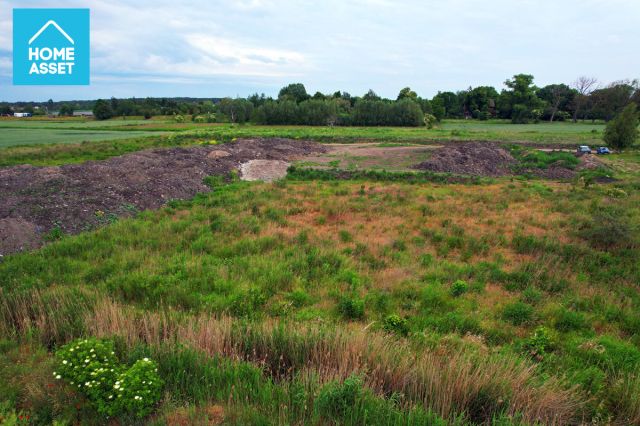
<point>343,294</point>
<point>322,301</point>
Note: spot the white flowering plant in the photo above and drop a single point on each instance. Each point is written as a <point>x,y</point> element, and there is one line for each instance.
<point>138,388</point>
<point>91,367</point>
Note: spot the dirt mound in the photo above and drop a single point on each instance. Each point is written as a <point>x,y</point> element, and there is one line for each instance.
<point>80,196</point>
<point>266,170</point>
<point>470,158</point>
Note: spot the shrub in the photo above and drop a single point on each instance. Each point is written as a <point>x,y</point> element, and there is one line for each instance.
<point>540,341</point>
<point>459,288</point>
<point>531,295</point>
<point>337,399</point>
<point>138,389</point>
<point>90,365</point>
<point>567,320</point>
<point>608,229</point>
<point>395,324</point>
<point>518,313</point>
<point>351,307</point>
<point>622,131</point>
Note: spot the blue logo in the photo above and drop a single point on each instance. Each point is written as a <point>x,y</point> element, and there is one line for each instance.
<point>51,46</point>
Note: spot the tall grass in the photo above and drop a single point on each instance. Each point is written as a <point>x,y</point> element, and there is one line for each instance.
<point>447,382</point>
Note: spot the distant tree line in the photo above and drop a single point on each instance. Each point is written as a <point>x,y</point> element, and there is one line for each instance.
<point>520,101</point>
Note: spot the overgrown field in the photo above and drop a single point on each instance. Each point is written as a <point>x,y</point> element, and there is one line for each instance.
<point>347,302</point>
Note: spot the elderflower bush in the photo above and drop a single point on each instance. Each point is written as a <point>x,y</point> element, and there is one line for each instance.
<point>90,365</point>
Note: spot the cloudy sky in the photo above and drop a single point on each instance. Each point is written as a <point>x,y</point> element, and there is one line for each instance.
<point>209,48</point>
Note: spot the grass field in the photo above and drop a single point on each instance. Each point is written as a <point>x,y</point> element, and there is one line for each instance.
<point>54,142</point>
<point>312,300</point>
<point>30,136</point>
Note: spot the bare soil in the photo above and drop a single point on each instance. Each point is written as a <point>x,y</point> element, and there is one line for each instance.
<point>371,156</point>
<point>73,198</point>
<point>470,158</point>
<point>491,159</point>
<point>264,170</point>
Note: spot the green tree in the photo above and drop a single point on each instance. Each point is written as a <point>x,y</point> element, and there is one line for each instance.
<point>65,109</point>
<point>520,102</point>
<point>450,102</point>
<point>293,92</point>
<point>407,93</point>
<point>622,131</point>
<point>480,102</point>
<point>559,97</point>
<point>102,110</point>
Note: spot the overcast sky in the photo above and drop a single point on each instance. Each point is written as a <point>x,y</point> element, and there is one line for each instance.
<point>208,48</point>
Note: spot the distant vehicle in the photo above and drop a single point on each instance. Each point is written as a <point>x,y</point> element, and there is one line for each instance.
<point>584,149</point>
<point>603,150</point>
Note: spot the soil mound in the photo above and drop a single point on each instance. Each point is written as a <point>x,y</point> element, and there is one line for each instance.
<point>470,158</point>
<point>80,196</point>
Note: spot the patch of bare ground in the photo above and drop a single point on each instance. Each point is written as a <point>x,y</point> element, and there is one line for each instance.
<point>81,196</point>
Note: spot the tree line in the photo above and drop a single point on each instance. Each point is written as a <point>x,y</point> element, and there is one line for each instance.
<point>520,101</point>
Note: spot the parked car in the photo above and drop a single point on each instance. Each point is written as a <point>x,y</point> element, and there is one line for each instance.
<point>584,149</point>
<point>603,150</point>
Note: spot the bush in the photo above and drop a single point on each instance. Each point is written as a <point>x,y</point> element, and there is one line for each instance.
<point>351,307</point>
<point>567,320</point>
<point>90,365</point>
<point>337,399</point>
<point>622,131</point>
<point>540,342</point>
<point>395,324</point>
<point>518,313</point>
<point>608,229</point>
<point>459,288</point>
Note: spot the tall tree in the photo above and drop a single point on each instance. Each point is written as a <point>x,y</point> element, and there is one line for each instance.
<point>622,131</point>
<point>293,92</point>
<point>407,93</point>
<point>584,85</point>
<point>521,99</point>
<point>558,97</point>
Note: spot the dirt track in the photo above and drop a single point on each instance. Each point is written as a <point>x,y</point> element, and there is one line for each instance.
<point>35,200</point>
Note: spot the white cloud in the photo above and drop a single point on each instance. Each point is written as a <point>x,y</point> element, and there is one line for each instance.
<point>235,47</point>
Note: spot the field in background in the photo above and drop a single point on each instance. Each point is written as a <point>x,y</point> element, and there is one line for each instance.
<point>53,131</point>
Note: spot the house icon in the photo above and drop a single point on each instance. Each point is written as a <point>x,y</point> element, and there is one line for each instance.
<point>47,25</point>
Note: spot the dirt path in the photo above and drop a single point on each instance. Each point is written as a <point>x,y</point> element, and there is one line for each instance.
<point>73,198</point>
<point>371,156</point>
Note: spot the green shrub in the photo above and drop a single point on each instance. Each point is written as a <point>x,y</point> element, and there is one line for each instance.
<point>531,295</point>
<point>351,307</point>
<point>608,229</point>
<point>90,366</point>
<point>138,389</point>
<point>395,324</point>
<point>622,131</point>
<point>248,303</point>
<point>337,399</point>
<point>540,342</point>
<point>459,288</point>
<point>345,236</point>
<point>518,313</point>
<point>567,320</point>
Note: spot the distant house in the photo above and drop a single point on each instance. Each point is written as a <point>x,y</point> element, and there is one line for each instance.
<point>22,114</point>
<point>83,113</point>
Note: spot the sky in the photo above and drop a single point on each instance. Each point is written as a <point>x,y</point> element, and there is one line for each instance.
<point>210,48</point>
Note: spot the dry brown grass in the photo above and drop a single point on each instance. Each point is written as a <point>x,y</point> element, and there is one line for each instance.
<point>449,382</point>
